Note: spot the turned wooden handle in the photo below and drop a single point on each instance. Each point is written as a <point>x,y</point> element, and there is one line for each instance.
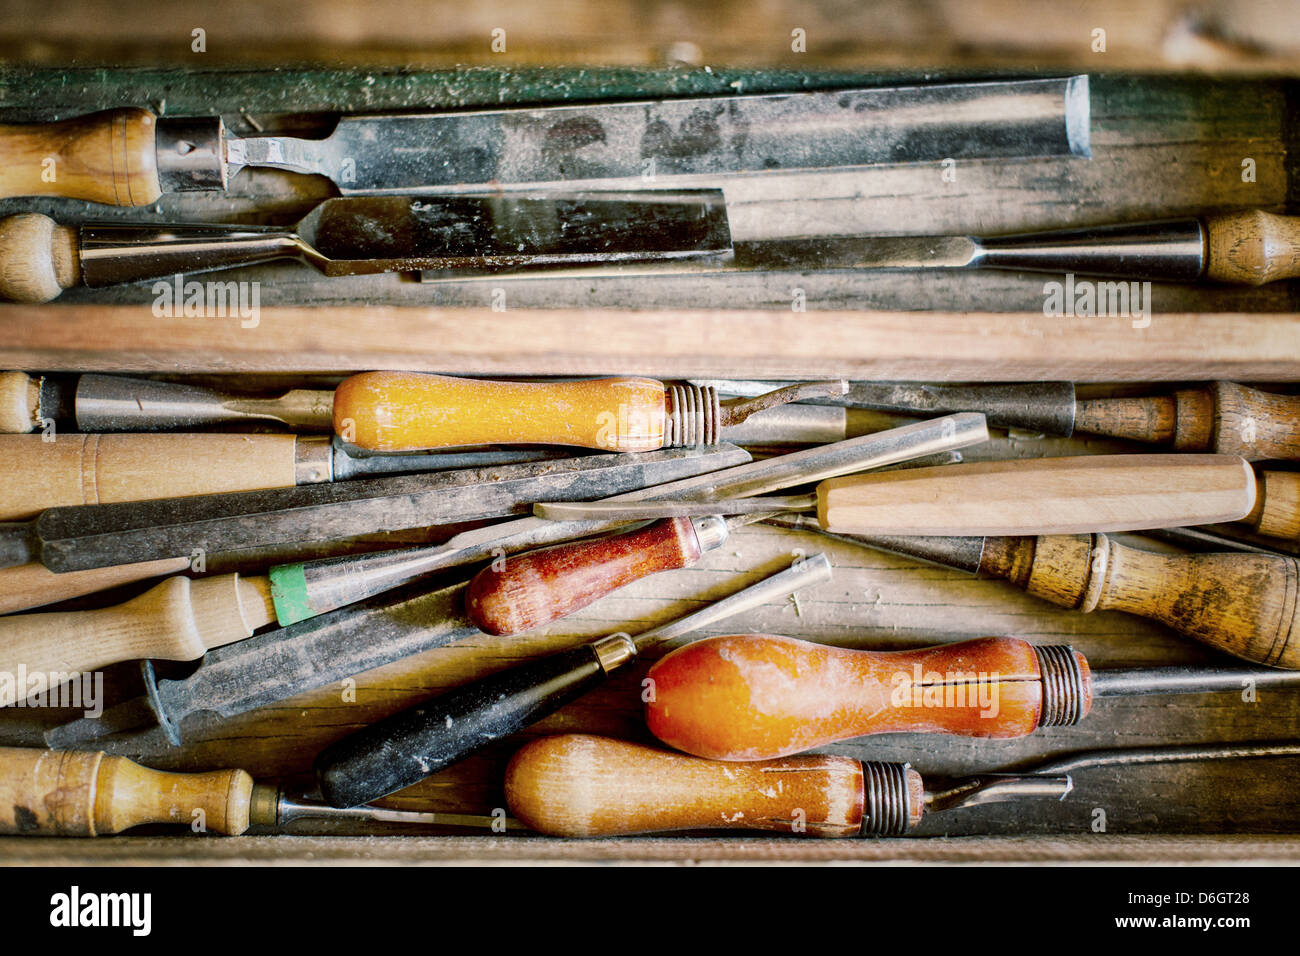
<point>107,157</point>
<point>77,469</point>
<point>178,620</point>
<point>541,586</point>
<point>1277,505</point>
<point>1252,248</point>
<point>20,403</point>
<point>1245,604</point>
<point>68,793</point>
<point>756,696</point>
<point>578,785</point>
<point>406,411</point>
<point>31,585</point>
<point>38,258</point>
<point>1042,496</point>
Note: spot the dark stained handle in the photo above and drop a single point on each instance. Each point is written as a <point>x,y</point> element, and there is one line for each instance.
<point>407,747</point>
<point>542,586</point>
<point>16,545</point>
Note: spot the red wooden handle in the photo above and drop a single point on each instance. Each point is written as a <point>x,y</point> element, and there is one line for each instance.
<point>757,697</point>
<point>521,593</point>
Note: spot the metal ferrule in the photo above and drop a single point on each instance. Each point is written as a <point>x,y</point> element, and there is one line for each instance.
<point>114,252</point>
<point>692,415</point>
<point>710,531</point>
<point>191,153</point>
<point>1062,682</point>
<point>313,460</point>
<point>614,651</point>
<point>1171,250</point>
<point>264,806</point>
<point>886,803</point>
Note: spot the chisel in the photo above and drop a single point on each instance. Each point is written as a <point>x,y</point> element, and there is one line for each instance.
<point>33,585</point>
<point>64,793</point>
<point>76,538</point>
<point>365,235</point>
<point>37,473</point>
<point>580,785</point>
<point>1222,417</point>
<point>406,747</point>
<point>129,157</point>
<point>1247,605</point>
<point>303,589</point>
<point>762,696</point>
<point>1075,495</point>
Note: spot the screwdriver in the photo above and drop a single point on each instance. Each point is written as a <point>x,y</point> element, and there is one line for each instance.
<point>408,746</point>
<point>1222,417</point>
<point>580,785</point>
<point>1243,604</point>
<point>1074,495</point>
<point>760,696</point>
<point>89,793</point>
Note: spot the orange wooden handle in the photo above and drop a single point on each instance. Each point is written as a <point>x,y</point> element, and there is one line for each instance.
<point>406,411</point>
<point>578,785</point>
<point>107,157</point>
<point>756,697</point>
<point>542,586</point>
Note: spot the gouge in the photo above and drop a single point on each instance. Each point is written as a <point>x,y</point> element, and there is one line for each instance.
<point>1247,605</point>
<point>1023,496</point>
<point>303,589</point>
<point>406,747</point>
<point>77,469</point>
<point>1221,417</point>
<point>579,785</point>
<point>759,696</point>
<point>68,793</point>
<point>129,157</point>
<point>77,538</point>
<point>177,620</point>
<point>407,411</point>
<point>364,235</point>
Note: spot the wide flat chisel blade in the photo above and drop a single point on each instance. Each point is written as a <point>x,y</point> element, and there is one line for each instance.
<point>93,536</point>
<point>686,141</point>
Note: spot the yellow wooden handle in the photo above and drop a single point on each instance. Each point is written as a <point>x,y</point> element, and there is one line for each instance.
<point>38,258</point>
<point>80,469</point>
<point>1044,496</point>
<point>107,157</point>
<point>20,402</point>
<point>405,411</point>
<point>1277,506</point>
<point>63,793</point>
<point>178,619</point>
<point>33,584</point>
<point>1252,247</point>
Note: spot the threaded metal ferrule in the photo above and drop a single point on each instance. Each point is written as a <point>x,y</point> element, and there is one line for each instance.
<point>692,416</point>
<point>1063,690</point>
<point>885,810</point>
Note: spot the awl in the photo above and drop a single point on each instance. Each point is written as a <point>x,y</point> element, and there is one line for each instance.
<point>364,235</point>
<point>129,157</point>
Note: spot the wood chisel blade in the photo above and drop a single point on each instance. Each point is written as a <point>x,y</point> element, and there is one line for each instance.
<point>91,536</point>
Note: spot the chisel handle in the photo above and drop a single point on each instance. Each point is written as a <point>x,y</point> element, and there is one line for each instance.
<point>1224,418</point>
<point>757,697</point>
<point>408,411</point>
<point>178,619</point>
<point>1277,506</point>
<point>38,259</point>
<point>77,469</point>
<point>533,589</point>
<point>83,793</point>
<point>403,749</point>
<point>33,585</point>
<point>1045,496</point>
<point>579,785</point>
<point>1252,248</point>
<point>107,157</point>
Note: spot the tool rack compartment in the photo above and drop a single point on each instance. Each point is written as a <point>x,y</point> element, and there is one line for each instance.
<point>1163,146</point>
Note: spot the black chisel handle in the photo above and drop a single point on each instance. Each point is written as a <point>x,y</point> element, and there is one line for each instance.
<point>416,743</point>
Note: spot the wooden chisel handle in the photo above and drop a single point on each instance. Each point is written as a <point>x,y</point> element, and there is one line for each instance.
<point>533,589</point>
<point>1224,418</point>
<point>77,469</point>
<point>106,157</point>
<point>1041,496</point>
<point>38,258</point>
<point>1252,247</point>
<point>1277,505</point>
<point>408,411</point>
<point>31,585</point>
<point>758,697</point>
<point>579,785</point>
<point>75,793</point>
<point>178,619</point>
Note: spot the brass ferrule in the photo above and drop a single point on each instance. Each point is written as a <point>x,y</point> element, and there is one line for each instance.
<point>313,460</point>
<point>614,651</point>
